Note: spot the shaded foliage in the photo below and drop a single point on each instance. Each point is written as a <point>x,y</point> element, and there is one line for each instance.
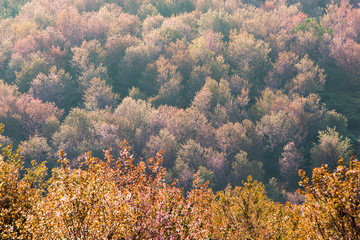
<point>223,88</point>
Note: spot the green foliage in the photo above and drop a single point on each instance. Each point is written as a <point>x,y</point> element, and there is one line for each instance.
<point>330,148</point>
<point>346,104</point>
<point>312,24</point>
<point>35,148</point>
<point>250,60</point>
<point>136,94</point>
<point>164,142</point>
<point>11,8</point>
<point>206,176</point>
<point>99,95</point>
<point>165,7</point>
<point>335,120</point>
<point>217,21</point>
<point>147,10</point>
<point>29,71</point>
<point>242,167</point>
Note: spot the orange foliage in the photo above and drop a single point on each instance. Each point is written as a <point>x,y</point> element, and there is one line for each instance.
<point>121,199</point>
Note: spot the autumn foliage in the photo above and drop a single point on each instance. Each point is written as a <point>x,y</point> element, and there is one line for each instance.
<point>128,199</point>
<point>223,89</point>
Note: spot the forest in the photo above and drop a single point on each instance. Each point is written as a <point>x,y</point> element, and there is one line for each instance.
<point>206,115</point>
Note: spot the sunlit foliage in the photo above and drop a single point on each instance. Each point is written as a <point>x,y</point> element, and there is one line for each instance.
<point>127,198</point>
<point>224,89</point>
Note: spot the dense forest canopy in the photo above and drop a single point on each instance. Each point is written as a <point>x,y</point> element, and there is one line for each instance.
<point>225,89</point>
<point>118,199</point>
<point>227,99</point>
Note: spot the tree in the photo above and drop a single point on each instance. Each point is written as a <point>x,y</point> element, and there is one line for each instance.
<point>218,165</point>
<point>289,163</point>
<point>185,6</point>
<point>206,51</point>
<point>29,71</point>
<point>50,88</point>
<point>71,25</point>
<point>164,142</point>
<point>51,125</point>
<point>341,17</point>
<point>206,177</point>
<point>88,62</point>
<point>147,10</point>
<point>242,167</point>
<point>278,128</point>
<point>137,111</point>
<point>231,138</point>
<point>211,97</point>
<point>240,86</point>
<point>246,212</point>
<point>310,39</point>
<point>190,157</point>
<point>205,47</point>
<point>346,54</point>
<point>124,24</point>
<point>7,90</point>
<point>193,154</point>
<point>136,94</point>
<point>55,47</point>
<point>74,132</point>
<point>152,23</point>
<point>172,30</point>
<point>197,79</point>
<point>333,119</point>
<point>89,5</point>
<point>136,60</point>
<point>11,8</point>
<point>83,130</point>
<point>99,95</point>
<point>270,101</point>
<point>217,21</point>
<point>57,86</point>
<point>191,124</point>
<point>250,61</point>
<point>330,148</point>
<point>90,52</point>
<point>169,81</point>
<point>115,49</point>
<point>25,115</point>
<point>19,193</point>
<point>109,199</point>
<point>26,46</point>
<point>36,148</point>
<point>309,78</point>
<point>294,119</point>
<point>165,7</point>
<point>332,201</point>
<point>138,114</point>
<point>284,70</point>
